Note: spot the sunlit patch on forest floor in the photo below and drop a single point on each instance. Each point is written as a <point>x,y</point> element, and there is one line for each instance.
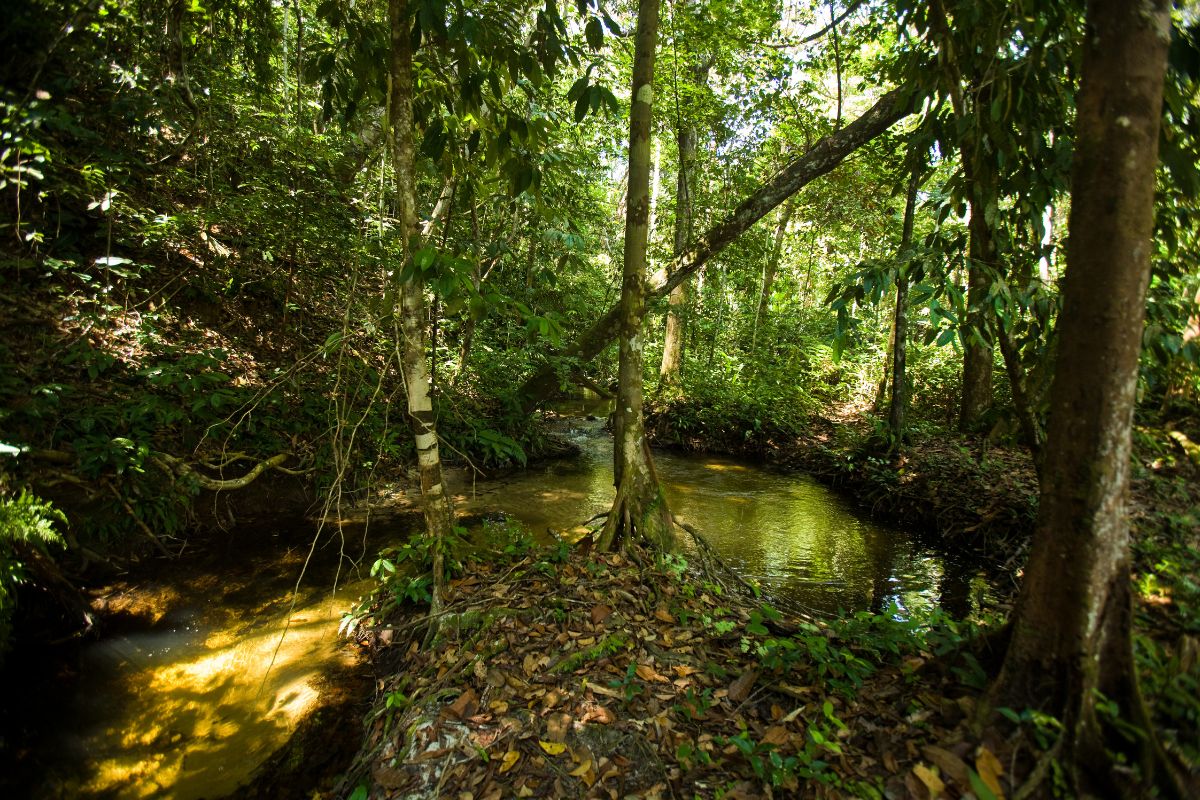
<point>599,676</point>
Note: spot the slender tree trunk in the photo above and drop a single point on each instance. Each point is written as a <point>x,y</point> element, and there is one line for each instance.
<point>411,335</point>
<point>640,508</point>
<point>900,323</point>
<point>672,358</point>
<point>817,161</point>
<point>1072,626</point>
<point>977,350</point>
<point>681,296</point>
<point>771,269</point>
<point>981,180</point>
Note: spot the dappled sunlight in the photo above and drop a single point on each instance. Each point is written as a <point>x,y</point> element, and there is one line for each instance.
<point>191,716</point>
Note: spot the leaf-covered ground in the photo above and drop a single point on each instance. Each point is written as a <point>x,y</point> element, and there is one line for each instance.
<point>603,675</point>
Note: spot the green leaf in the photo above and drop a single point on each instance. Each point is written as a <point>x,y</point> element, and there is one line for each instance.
<point>594,34</point>
<point>982,790</point>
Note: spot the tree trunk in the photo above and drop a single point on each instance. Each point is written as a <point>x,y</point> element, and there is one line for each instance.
<point>977,350</point>
<point>410,338</point>
<point>1072,625</point>
<point>640,508</point>
<point>672,358</point>
<point>771,269</point>
<point>820,159</point>
<point>900,323</point>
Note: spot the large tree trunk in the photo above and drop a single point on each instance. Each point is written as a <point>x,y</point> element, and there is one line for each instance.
<point>817,161</point>
<point>411,335</point>
<point>640,509</point>
<point>1072,626</point>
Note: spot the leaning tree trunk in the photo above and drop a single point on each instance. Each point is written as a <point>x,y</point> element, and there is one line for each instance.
<point>1072,627</point>
<point>640,508</point>
<point>818,160</point>
<point>411,335</point>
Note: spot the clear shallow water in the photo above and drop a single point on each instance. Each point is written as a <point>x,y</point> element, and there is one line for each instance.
<point>187,708</point>
<point>800,541</point>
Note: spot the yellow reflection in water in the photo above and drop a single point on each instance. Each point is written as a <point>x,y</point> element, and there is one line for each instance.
<point>203,717</point>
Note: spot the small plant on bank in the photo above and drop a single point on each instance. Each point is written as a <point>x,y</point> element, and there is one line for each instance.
<point>27,529</point>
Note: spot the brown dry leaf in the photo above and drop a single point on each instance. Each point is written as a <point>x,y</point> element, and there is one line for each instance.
<point>648,673</point>
<point>776,735</point>
<point>930,779</point>
<point>598,714</point>
<point>389,777</point>
<point>466,705</point>
<point>663,615</point>
<point>990,769</point>
<point>557,727</point>
<point>600,613</point>
<point>551,699</point>
<point>600,688</point>
<point>889,761</point>
<point>950,765</point>
<point>739,690</point>
<point>683,670</point>
<point>529,665</point>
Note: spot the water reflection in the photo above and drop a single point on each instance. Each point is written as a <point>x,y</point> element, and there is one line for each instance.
<point>181,708</point>
<point>798,539</point>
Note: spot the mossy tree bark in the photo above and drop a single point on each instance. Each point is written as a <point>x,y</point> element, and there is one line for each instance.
<point>1072,627</point>
<point>640,508</point>
<point>410,336</point>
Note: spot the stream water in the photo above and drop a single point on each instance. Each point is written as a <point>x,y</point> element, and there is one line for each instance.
<point>186,707</point>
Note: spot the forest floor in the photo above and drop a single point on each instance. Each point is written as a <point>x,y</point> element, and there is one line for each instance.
<point>576,674</point>
<point>572,674</point>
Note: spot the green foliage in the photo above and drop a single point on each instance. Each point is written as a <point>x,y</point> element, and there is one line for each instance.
<point>27,529</point>
<point>404,572</point>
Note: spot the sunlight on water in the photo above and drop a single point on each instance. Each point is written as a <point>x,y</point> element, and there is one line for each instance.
<point>798,539</point>
<point>185,715</point>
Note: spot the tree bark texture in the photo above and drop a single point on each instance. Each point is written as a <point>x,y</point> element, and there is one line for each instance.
<point>411,342</point>
<point>820,159</point>
<point>1072,625</point>
<point>640,508</point>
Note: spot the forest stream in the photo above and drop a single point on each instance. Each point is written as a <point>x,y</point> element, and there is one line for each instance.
<point>191,705</point>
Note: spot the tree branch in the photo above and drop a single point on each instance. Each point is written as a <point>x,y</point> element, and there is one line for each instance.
<point>820,159</point>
